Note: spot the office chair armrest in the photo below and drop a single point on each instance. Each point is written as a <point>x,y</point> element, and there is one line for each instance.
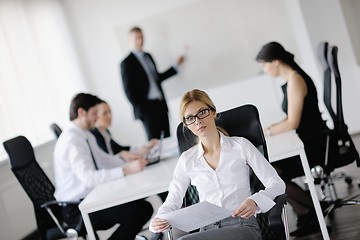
<point>274,217</point>
<point>59,203</point>
<point>63,228</point>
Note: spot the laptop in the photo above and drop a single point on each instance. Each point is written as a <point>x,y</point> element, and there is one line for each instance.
<point>155,154</point>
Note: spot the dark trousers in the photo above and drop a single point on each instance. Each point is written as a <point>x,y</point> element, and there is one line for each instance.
<point>156,119</point>
<point>131,217</point>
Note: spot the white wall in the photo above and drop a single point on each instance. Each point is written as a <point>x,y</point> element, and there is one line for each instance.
<point>351,9</point>
<point>219,48</point>
<point>40,68</point>
<point>96,27</point>
<point>93,24</point>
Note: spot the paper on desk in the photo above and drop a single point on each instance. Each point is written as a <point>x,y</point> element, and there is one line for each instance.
<point>195,216</point>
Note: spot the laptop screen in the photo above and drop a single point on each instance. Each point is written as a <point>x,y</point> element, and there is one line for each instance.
<point>155,153</point>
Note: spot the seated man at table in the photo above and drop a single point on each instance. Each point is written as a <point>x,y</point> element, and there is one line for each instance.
<point>80,165</point>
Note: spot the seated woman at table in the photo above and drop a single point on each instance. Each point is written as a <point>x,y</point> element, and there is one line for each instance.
<point>219,168</point>
<point>107,143</point>
<point>300,103</point>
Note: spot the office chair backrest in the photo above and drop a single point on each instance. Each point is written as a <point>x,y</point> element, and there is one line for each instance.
<point>32,178</point>
<point>56,129</point>
<point>323,58</point>
<point>334,66</point>
<point>241,121</point>
<point>342,150</point>
<point>244,121</point>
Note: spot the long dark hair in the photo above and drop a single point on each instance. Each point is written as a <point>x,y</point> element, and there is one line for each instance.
<point>275,51</point>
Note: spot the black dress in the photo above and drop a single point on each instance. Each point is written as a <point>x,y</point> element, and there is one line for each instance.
<point>311,131</point>
<point>115,147</point>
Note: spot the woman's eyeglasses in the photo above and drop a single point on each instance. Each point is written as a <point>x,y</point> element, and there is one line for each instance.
<point>200,115</point>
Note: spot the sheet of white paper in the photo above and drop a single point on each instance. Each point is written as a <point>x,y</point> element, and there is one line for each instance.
<point>196,216</point>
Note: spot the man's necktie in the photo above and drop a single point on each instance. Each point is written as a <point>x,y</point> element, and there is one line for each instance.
<point>92,155</point>
<point>154,91</point>
<point>150,66</point>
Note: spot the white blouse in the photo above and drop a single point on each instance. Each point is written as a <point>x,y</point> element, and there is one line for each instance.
<point>229,184</point>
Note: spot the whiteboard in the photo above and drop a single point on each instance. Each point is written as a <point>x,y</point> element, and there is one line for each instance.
<point>220,40</point>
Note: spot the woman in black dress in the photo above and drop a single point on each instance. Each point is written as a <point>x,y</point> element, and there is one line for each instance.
<point>300,103</point>
<point>107,143</point>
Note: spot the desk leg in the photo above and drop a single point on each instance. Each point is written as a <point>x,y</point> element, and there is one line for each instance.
<point>314,196</point>
<point>88,225</point>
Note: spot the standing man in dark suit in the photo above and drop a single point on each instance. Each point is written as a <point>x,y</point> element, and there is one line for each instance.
<point>142,86</point>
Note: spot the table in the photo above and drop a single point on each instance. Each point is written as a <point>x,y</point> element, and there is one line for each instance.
<point>286,145</point>
<point>156,178</point>
<point>152,180</point>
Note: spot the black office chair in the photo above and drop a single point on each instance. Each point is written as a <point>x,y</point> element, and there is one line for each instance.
<point>322,54</point>
<point>341,150</point>
<point>56,129</point>
<point>40,190</point>
<point>243,121</point>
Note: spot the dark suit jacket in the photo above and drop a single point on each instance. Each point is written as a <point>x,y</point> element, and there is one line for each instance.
<point>116,148</point>
<point>136,83</point>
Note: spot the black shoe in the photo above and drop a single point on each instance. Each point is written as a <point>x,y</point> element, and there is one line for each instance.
<point>305,230</point>
<point>307,218</point>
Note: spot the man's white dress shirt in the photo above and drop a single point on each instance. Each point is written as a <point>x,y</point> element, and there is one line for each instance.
<point>75,173</point>
<point>229,184</point>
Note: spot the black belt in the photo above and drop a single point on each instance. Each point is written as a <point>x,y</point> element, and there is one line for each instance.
<point>155,100</point>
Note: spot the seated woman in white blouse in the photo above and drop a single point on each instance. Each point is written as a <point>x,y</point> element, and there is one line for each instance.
<point>219,168</point>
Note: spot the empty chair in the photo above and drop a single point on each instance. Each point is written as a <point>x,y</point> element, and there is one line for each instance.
<point>322,54</point>
<point>56,129</point>
<point>341,150</point>
<point>40,190</point>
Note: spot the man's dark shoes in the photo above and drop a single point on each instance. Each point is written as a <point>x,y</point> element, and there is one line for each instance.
<point>307,229</point>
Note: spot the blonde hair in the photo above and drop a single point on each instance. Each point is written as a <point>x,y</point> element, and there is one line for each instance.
<point>199,96</point>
